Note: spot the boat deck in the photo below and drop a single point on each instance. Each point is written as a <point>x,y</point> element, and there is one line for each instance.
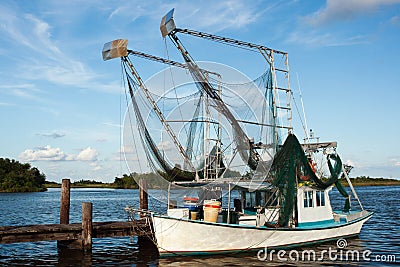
<point>340,218</point>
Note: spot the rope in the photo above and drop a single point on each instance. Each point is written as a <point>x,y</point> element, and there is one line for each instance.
<point>129,116</point>
<point>173,84</point>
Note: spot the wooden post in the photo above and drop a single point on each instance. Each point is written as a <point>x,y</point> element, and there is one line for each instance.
<point>64,210</point>
<point>143,195</point>
<point>87,226</point>
<point>65,201</point>
<point>145,242</point>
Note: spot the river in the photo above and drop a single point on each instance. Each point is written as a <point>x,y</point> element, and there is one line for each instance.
<point>380,235</point>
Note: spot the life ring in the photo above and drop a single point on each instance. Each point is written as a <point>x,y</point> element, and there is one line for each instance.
<point>191,199</point>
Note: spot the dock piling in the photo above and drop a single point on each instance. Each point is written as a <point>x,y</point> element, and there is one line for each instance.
<point>65,201</point>
<point>143,196</point>
<point>87,226</point>
<point>64,210</point>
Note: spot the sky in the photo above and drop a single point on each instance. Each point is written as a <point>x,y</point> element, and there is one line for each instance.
<point>61,105</point>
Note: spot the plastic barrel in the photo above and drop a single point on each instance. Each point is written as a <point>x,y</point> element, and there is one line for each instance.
<point>211,210</point>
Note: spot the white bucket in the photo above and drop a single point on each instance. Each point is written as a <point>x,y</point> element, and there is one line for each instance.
<point>210,215</point>
<point>211,209</point>
<point>212,202</point>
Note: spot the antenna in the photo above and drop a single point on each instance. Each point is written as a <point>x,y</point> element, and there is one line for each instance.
<point>305,126</point>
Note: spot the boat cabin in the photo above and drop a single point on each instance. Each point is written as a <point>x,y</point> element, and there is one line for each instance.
<point>261,208</point>
<point>313,206</point>
<point>257,205</point>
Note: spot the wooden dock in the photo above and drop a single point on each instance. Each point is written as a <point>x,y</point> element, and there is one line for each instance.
<point>61,232</point>
<point>78,235</point>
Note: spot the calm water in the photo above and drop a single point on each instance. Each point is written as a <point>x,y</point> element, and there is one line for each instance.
<point>380,235</point>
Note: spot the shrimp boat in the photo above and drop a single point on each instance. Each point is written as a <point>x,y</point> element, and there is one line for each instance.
<point>242,181</point>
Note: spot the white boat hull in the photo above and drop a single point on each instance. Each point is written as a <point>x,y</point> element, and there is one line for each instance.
<point>184,236</point>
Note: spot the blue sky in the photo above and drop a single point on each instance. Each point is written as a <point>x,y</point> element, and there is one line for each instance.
<point>60,104</point>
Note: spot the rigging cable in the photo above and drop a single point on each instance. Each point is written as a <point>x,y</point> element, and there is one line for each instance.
<point>120,119</point>
<point>304,112</point>
<point>130,119</point>
<point>298,111</point>
<point>173,85</point>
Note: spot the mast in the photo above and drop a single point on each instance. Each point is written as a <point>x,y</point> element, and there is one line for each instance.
<point>167,27</point>
<point>206,139</point>
<point>281,74</point>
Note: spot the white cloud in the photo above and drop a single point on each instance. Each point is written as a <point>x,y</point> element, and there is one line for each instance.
<point>112,124</point>
<point>48,153</point>
<point>353,163</point>
<point>165,145</point>
<point>4,104</point>
<point>41,57</point>
<point>96,166</point>
<point>336,10</point>
<point>52,135</point>
<point>394,162</point>
<point>88,154</point>
<point>22,90</point>
<point>314,38</point>
<point>41,30</point>
<point>45,153</point>
<point>223,15</point>
<point>127,149</point>
<point>395,20</point>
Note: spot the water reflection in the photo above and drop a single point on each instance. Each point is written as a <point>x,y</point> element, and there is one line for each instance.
<point>380,234</point>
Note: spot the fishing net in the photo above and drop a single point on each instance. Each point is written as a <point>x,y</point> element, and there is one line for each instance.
<point>291,167</point>
<point>184,107</point>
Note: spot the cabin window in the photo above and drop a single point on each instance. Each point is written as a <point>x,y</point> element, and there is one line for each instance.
<point>261,197</point>
<point>320,197</point>
<point>250,199</point>
<point>308,199</point>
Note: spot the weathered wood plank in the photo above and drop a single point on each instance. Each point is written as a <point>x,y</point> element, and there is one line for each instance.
<point>49,232</point>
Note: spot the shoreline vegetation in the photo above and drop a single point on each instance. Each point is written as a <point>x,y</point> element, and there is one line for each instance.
<point>22,177</point>
<point>368,181</point>
<point>358,181</point>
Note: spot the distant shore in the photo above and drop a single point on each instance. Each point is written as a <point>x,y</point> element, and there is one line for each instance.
<point>96,185</point>
<point>363,181</point>
<point>359,181</point>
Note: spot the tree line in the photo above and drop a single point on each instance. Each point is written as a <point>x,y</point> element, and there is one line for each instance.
<point>20,177</point>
